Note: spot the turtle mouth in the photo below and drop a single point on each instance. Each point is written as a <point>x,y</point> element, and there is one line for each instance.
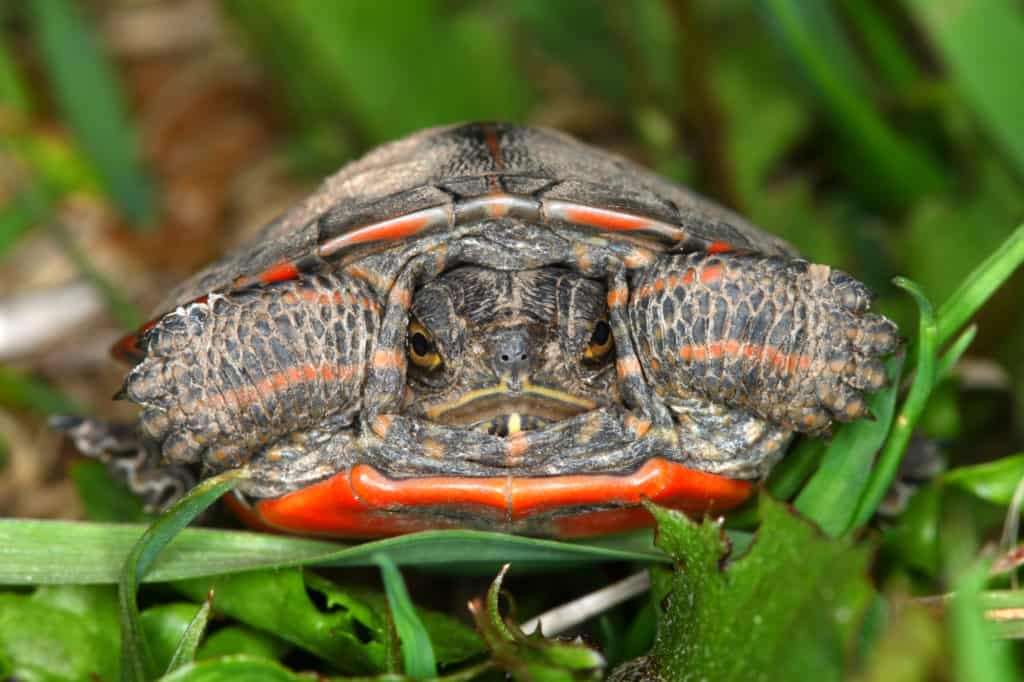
<point>501,411</point>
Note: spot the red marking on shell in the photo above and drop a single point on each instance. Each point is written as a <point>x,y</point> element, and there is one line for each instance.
<point>394,228</point>
<point>279,273</point>
<point>365,503</point>
<point>127,348</point>
<point>603,218</point>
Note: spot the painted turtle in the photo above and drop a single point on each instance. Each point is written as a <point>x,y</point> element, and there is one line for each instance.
<point>493,326</point>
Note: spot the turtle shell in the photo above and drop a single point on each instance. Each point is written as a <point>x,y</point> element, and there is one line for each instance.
<point>432,181</point>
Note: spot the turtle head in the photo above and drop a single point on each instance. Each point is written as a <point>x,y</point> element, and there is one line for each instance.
<point>504,351</point>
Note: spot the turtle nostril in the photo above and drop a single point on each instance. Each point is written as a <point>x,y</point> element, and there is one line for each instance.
<point>505,357</point>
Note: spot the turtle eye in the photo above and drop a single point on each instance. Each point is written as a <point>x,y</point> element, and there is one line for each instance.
<point>421,348</point>
<point>601,342</point>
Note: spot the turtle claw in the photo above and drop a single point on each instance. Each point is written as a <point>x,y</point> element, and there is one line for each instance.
<point>128,458</point>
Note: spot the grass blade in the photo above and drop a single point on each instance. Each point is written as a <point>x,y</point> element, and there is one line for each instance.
<point>924,381</point>
<point>417,651</point>
<point>84,85</point>
<point>65,552</point>
<point>186,651</point>
<point>980,44</point>
<point>136,660</point>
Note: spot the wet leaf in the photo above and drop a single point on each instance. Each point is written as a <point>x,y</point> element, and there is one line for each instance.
<point>792,604</point>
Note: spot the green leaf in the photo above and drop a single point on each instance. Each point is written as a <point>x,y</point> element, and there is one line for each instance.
<point>531,657</point>
<point>830,498</point>
<point>84,85</point>
<point>55,552</point>
<point>136,660</point>
<point>344,626</point>
<point>238,640</point>
<point>980,44</point>
<point>59,633</point>
<point>993,481</point>
<point>789,609</point>
<point>233,668</point>
<point>417,652</point>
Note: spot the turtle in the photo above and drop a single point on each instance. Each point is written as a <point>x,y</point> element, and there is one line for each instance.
<point>493,326</point>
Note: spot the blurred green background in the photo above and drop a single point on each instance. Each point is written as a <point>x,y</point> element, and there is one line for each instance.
<point>138,140</point>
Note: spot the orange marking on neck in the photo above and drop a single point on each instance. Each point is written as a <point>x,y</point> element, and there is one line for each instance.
<point>715,350</point>
<point>689,276</point>
<point>516,446</point>
<point>637,259</point>
<point>637,426</point>
<point>618,296</point>
<point>401,296</point>
<point>384,359</point>
<point>627,366</point>
<point>719,246</point>
<point>381,425</point>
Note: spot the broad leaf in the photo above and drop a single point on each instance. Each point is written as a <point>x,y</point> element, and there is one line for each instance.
<point>787,610</point>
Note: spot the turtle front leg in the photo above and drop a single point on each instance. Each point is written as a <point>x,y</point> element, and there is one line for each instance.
<point>787,340</point>
<point>225,378</point>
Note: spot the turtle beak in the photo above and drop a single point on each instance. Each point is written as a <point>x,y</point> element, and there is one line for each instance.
<point>509,407</point>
